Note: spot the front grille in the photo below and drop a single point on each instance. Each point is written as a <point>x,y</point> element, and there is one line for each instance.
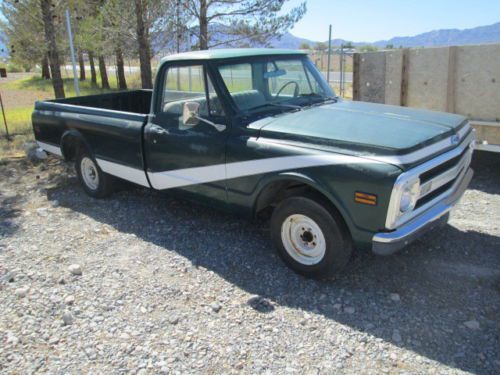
<point>433,194</point>
<point>432,173</point>
<point>439,179</point>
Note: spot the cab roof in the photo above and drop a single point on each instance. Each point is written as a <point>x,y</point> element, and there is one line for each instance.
<point>229,53</point>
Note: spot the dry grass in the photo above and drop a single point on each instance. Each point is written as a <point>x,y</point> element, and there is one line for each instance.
<point>14,148</point>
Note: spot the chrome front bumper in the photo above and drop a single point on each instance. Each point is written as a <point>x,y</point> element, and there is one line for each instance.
<point>386,243</point>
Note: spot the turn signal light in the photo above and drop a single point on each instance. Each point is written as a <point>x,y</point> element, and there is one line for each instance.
<point>365,198</point>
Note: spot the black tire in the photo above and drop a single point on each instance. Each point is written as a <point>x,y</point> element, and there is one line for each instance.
<point>338,244</point>
<point>105,183</point>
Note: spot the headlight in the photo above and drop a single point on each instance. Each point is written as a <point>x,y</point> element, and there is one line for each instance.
<point>403,200</point>
<point>409,196</point>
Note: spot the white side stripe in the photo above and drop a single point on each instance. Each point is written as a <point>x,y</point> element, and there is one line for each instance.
<point>188,176</point>
<point>127,173</point>
<point>219,172</point>
<point>251,167</point>
<point>49,148</point>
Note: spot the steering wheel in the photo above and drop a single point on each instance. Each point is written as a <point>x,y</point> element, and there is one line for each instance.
<point>295,90</point>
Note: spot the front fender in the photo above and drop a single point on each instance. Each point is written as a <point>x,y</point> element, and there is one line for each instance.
<point>302,178</point>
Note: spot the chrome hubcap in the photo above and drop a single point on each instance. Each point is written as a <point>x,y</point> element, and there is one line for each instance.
<point>89,173</point>
<point>303,239</point>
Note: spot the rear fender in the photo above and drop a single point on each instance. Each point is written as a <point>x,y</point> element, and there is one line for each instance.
<point>67,139</point>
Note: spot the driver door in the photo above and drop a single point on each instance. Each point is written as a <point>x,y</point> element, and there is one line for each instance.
<point>186,159</point>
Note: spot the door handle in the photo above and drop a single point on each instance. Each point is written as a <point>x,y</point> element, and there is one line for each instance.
<point>158,130</point>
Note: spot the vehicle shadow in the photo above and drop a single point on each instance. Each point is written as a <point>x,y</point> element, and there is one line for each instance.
<point>8,212</point>
<point>442,280</point>
<point>486,166</point>
<point>9,203</point>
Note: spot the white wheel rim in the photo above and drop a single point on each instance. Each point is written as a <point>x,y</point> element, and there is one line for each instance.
<point>303,239</point>
<point>89,173</point>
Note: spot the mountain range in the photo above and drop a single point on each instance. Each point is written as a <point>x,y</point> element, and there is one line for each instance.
<point>443,37</point>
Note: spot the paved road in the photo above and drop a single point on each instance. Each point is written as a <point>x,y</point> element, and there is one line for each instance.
<point>335,76</point>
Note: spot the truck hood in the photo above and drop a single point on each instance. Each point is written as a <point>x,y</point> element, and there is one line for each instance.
<point>364,129</point>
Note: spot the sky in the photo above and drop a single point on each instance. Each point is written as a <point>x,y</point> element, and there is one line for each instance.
<point>372,20</point>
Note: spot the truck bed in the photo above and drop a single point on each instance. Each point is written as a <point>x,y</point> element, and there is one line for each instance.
<point>111,125</point>
<point>134,101</point>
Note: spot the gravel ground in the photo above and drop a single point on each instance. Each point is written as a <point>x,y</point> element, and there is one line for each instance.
<point>144,283</point>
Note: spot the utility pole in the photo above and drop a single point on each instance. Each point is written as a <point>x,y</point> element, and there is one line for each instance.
<point>72,50</point>
<point>329,53</point>
<point>178,25</point>
<point>341,64</point>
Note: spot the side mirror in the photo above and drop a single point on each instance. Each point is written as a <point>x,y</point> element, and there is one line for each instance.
<point>191,116</point>
<point>190,113</point>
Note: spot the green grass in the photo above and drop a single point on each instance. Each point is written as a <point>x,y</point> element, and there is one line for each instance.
<point>18,120</point>
<point>37,83</point>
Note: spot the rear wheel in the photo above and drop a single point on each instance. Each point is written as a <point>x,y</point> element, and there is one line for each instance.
<point>94,181</point>
<point>309,238</point>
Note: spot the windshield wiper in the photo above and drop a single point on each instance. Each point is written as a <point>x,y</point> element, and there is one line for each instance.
<point>314,95</point>
<point>282,106</point>
<point>324,99</point>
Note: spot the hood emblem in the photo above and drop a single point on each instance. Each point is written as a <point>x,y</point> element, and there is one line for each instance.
<point>455,139</point>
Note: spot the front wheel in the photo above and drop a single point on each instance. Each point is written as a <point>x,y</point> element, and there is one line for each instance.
<point>309,238</point>
<point>94,181</point>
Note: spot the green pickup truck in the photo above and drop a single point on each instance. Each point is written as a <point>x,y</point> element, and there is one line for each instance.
<point>259,131</point>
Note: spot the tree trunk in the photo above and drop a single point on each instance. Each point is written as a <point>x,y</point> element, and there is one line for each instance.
<point>53,55</point>
<point>203,25</point>
<point>45,68</point>
<point>93,75</point>
<point>120,70</point>
<point>103,72</point>
<point>82,65</point>
<point>143,45</point>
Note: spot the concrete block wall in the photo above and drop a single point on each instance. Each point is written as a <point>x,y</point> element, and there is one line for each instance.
<point>464,79</point>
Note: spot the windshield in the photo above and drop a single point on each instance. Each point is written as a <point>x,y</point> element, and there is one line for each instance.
<point>275,84</point>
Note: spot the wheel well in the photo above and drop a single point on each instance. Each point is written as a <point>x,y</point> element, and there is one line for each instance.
<point>70,146</point>
<point>277,191</point>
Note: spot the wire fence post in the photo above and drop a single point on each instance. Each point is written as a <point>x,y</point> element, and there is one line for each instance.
<point>4,119</point>
<point>329,53</point>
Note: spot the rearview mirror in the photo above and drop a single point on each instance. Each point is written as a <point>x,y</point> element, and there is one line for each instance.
<point>275,73</point>
<point>190,113</point>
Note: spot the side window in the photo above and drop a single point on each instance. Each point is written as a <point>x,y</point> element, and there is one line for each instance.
<point>187,83</point>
